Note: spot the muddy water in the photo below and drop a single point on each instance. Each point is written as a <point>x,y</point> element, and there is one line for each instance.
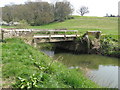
<point>100,69</point>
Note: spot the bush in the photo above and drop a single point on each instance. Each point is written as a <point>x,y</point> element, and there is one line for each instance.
<point>23,24</point>
<point>109,46</point>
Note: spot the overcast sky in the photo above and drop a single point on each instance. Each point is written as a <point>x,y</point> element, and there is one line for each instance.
<point>96,7</point>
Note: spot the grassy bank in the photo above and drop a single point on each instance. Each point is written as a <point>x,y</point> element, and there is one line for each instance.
<point>25,67</point>
<point>110,46</point>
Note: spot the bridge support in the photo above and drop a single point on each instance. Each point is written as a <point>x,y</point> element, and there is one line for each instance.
<point>89,43</point>
<point>93,41</point>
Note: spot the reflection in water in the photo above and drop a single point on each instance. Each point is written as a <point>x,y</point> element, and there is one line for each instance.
<point>100,69</point>
<point>50,53</point>
<point>105,76</point>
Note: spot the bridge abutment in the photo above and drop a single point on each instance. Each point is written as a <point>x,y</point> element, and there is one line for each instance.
<point>89,43</point>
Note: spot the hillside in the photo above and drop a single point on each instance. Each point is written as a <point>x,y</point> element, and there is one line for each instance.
<point>108,25</point>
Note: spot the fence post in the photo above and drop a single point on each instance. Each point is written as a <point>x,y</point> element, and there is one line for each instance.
<point>76,33</point>
<point>2,34</point>
<point>65,35</point>
<point>50,36</point>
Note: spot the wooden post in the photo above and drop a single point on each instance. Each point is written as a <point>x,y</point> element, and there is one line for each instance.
<point>65,35</point>
<point>50,36</point>
<point>31,33</point>
<point>2,34</point>
<point>76,33</point>
<point>14,32</point>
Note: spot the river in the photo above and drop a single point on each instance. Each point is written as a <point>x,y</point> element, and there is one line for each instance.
<point>100,69</point>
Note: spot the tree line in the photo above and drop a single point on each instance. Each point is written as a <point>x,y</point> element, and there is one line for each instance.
<point>111,15</point>
<point>37,13</point>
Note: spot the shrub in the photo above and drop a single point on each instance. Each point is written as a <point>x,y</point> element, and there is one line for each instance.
<point>23,24</point>
<point>109,46</point>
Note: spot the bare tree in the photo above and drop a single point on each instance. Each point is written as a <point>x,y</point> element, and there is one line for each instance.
<point>83,10</point>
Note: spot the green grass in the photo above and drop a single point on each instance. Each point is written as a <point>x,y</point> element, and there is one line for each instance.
<point>105,24</point>
<point>108,25</point>
<point>35,69</point>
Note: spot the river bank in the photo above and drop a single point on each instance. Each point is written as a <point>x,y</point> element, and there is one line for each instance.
<point>26,67</point>
<point>98,67</point>
<point>110,46</point>
<point>102,70</point>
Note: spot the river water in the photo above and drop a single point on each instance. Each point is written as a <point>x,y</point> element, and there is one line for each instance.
<point>100,69</point>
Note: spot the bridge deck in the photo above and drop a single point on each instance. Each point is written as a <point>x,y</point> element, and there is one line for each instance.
<point>54,36</point>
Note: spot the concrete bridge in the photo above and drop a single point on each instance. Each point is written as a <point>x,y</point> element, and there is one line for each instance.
<point>41,36</point>
<point>89,42</point>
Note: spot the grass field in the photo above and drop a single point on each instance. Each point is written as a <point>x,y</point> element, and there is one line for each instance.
<point>108,25</point>
<point>35,69</point>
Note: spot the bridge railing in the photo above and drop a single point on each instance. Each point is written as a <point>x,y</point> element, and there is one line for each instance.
<point>52,32</point>
<point>19,32</point>
<point>38,30</point>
